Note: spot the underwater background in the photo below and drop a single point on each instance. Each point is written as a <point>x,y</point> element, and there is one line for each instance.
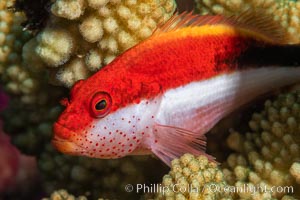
<point>47,45</point>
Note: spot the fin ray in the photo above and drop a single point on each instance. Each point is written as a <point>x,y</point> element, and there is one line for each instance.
<point>173,142</point>
<point>256,22</point>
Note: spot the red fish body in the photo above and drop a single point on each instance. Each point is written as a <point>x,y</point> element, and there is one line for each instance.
<point>164,94</point>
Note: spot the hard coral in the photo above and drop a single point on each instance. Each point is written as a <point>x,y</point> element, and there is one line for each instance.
<point>18,78</point>
<point>193,178</point>
<point>96,177</point>
<point>31,127</point>
<point>84,35</point>
<point>286,12</point>
<point>269,155</point>
<point>63,195</point>
<point>11,40</point>
<point>30,108</point>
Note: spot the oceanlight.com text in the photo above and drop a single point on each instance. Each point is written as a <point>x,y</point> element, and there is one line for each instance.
<point>211,188</point>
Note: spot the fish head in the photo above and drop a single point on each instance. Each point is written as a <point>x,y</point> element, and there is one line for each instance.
<point>94,125</point>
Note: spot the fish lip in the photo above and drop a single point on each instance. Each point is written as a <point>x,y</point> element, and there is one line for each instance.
<point>61,131</point>
<point>66,146</point>
<point>61,140</point>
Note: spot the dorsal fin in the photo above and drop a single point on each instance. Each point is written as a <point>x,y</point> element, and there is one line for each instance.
<point>257,23</point>
<point>262,23</point>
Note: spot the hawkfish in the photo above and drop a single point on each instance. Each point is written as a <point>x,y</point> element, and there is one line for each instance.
<point>162,95</point>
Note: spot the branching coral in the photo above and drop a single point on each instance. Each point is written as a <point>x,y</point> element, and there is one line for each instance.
<point>18,80</point>
<point>31,102</point>
<point>63,195</point>
<point>25,81</point>
<point>32,108</point>
<point>31,127</point>
<point>84,35</point>
<point>96,177</point>
<point>269,155</point>
<point>193,178</point>
<point>286,12</point>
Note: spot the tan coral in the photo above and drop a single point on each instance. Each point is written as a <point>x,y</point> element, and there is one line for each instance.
<point>193,178</point>
<point>97,3</point>
<point>17,78</point>
<point>269,155</point>
<point>73,71</point>
<point>295,171</point>
<point>68,9</point>
<point>83,29</point>
<point>26,82</point>
<point>54,46</point>
<point>9,34</point>
<point>63,195</point>
<point>21,81</point>
<point>94,59</point>
<point>286,12</point>
<point>91,29</point>
<point>31,61</point>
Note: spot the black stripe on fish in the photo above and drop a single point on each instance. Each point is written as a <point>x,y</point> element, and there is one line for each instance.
<point>264,56</point>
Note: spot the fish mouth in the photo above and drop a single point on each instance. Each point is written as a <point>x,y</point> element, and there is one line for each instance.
<point>66,146</point>
<point>62,141</point>
<point>61,131</point>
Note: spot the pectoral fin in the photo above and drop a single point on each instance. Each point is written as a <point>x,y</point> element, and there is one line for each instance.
<point>172,142</point>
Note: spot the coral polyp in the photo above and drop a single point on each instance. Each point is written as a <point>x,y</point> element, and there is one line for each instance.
<point>269,154</point>
<point>194,178</point>
<point>82,36</point>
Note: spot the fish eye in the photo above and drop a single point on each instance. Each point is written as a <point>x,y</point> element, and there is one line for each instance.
<point>100,104</point>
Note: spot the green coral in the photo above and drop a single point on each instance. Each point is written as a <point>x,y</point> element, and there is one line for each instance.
<point>194,178</point>
<point>269,154</point>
